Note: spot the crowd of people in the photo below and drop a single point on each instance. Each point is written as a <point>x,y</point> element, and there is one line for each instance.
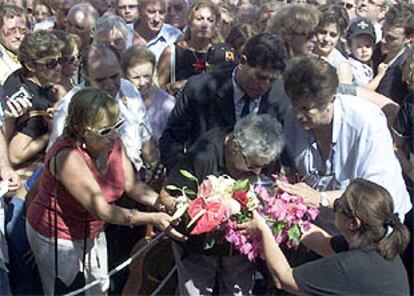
<point>105,102</point>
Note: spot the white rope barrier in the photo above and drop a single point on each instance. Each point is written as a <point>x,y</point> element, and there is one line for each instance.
<point>124,264</point>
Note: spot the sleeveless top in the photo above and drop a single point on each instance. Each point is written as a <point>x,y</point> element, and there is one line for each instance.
<point>71,215</point>
<point>186,62</point>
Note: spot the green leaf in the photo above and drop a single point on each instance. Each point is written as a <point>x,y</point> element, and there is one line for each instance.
<point>172,187</point>
<point>294,233</point>
<point>209,243</point>
<point>241,185</point>
<point>278,227</point>
<point>190,192</point>
<point>189,176</point>
<point>181,208</point>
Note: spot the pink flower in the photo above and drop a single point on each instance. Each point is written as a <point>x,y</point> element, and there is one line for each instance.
<point>241,197</point>
<point>215,213</point>
<point>205,189</point>
<point>313,213</point>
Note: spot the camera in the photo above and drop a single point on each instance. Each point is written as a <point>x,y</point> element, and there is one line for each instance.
<point>21,93</point>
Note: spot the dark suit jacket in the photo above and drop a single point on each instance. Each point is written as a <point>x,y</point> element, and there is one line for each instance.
<point>205,102</point>
<point>392,85</point>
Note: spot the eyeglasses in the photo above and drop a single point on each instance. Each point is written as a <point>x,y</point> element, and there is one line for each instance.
<point>129,7</point>
<point>70,60</point>
<point>51,64</point>
<point>307,35</point>
<point>347,6</point>
<point>107,131</point>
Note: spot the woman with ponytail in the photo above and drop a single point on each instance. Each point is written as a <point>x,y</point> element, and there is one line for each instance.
<point>364,260</point>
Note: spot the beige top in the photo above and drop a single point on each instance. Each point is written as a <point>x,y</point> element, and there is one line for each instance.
<point>8,63</point>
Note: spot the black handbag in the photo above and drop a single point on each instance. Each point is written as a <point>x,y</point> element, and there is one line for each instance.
<point>79,282</point>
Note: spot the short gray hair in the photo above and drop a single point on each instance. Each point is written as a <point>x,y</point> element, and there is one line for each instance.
<point>110,22</point>
<point>260,135</point>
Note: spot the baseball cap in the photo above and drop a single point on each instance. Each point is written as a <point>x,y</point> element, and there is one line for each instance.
<point>361,26</point>
<point>221,53</point>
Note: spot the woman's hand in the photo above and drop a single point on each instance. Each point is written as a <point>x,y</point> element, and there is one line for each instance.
<point>255,227</point>
<point>311,197</point>
<point>17,107</point>
<point>164,221</point>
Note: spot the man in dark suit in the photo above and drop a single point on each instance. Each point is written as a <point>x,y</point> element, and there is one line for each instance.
<point>219,99</point>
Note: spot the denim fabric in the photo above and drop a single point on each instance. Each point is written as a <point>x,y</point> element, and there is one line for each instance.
<point>24,280</point>
<point>4,283</point>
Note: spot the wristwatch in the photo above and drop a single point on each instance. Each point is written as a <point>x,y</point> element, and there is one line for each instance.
<point>324,201</point>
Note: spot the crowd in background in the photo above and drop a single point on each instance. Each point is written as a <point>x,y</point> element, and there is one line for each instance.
<point>104,102</point>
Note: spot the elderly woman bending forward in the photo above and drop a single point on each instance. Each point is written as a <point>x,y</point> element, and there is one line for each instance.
<point>86,171</point>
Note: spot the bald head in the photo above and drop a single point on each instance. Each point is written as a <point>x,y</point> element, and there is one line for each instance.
<point>81,20</point>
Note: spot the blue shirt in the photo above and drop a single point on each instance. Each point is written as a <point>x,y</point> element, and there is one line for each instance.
<point>361,147</point>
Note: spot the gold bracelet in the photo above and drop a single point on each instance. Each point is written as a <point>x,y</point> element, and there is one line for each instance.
<point>129,218</point>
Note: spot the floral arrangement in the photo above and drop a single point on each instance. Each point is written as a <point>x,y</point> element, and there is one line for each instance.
<point>222,202</point>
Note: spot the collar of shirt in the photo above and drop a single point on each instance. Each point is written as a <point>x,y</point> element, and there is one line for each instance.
<point>396,57</point>
<point>238,94</point>
<point>5,52</point>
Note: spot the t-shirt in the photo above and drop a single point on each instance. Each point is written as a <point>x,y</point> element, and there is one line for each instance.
<point>42,99</point>
<point>357,272</point>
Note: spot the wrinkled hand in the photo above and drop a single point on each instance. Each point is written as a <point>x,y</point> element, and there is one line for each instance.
<point>17,107</point>
<point>164,221</point>
<point>311,197</point>
<point>7,173</point>
<point>254,227</point>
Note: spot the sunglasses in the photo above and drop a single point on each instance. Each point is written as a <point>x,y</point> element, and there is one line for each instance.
<point>70,60</point>
<point>51,64</point>
<point>107,131</point>
<point>307,35</point>
<point>348,6</point>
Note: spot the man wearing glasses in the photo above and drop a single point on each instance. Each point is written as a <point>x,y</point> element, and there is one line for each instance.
<point>242,152</point>
<point>13,27</point>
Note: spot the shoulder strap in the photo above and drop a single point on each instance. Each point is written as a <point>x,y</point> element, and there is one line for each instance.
<point>172,77</point>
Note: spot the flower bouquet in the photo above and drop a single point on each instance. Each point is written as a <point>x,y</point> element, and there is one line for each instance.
<point>221,203</point>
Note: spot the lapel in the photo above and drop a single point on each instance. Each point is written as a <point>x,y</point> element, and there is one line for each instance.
<point>225,101</point>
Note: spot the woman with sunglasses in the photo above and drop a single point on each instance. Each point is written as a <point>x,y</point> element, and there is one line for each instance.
<point>86,171</point>
<point>70,63</point>
<point>40,57</point>
<point>363,260</point>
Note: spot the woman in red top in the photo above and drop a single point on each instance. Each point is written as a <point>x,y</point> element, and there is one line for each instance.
<point>86,171</point>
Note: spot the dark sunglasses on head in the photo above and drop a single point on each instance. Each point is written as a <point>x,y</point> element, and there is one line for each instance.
<point>51,64</point>
<point>109,130</point>
<point>307,35</point>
